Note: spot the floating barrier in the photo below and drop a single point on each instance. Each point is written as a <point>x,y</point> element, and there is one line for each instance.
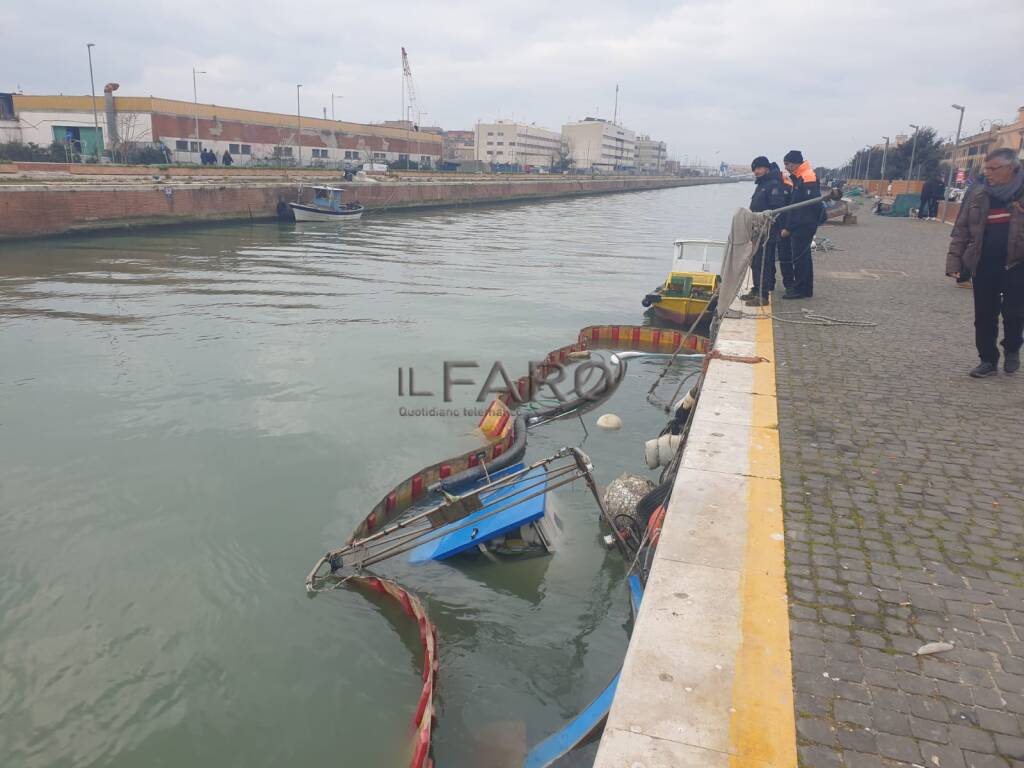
<point>504,434</point>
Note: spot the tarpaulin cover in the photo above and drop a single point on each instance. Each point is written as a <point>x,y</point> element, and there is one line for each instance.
<point>747,232</point>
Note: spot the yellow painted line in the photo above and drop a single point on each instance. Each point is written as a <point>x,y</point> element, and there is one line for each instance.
<point>762,729</point>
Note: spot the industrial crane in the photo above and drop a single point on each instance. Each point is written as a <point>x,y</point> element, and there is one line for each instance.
<point>407,85</point>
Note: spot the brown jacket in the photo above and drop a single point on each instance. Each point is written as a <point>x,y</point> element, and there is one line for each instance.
<point>969,230</point>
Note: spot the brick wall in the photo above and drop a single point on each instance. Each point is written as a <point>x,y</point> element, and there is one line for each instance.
<point>26,211</point>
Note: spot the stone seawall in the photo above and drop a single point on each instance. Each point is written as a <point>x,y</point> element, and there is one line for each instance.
<point>38,210</point>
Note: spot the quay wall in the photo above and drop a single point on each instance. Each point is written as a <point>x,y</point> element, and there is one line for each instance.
<point>42,209</point>
<point>706,682</point>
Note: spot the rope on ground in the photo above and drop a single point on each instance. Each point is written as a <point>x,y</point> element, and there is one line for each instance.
<point>813,318</point>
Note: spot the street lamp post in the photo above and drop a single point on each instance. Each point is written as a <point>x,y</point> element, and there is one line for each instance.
<point>867,165</point>
<point>956,144</point>
<point>885,151</point>
<point>333,98</point>
<point>95,116</point>
<point>298,120</point>
<point>195,102</point>
<point>913,152</point>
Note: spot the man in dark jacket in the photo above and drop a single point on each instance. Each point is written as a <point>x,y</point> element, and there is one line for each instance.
<point>927,196</point>
<point>769,194</point>
<point>801,224</point>
<point>988,243</point>
<point>938,197</point>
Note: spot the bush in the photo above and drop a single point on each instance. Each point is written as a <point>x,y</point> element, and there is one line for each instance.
<point>16,151</point>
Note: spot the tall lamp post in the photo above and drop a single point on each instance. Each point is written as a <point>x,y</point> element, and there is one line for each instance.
<point>333,98</point>
<point>913,152</point>
<point>95,116</point>
<point>867,165</point>
<point>885,151</point>
<point>195,103</point>
<point>298,119</point>
<point>956,144</point>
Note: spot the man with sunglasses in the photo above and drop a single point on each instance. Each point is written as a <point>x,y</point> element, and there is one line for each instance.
<point>988,243</point>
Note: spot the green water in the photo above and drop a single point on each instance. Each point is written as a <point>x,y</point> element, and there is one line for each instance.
<point>189,418</point>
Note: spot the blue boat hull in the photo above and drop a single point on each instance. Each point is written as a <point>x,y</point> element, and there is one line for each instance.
<point>476,529</point>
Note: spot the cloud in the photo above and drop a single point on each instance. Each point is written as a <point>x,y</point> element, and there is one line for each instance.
<point>717,80</point>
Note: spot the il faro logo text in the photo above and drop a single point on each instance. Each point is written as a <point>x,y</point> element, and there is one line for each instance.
<point>586,380</point>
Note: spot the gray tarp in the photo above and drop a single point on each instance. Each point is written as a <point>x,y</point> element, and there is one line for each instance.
<point>748,231</point>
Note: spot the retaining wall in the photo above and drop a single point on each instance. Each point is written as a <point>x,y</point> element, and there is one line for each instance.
<point>33,210</point>
<point>707,678</point>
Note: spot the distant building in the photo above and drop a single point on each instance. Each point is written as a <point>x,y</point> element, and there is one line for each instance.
<point>970,153</point>
<point>460,145</point>
<point>508,142</point>
<point>600,145</point>
<point>650,155</point>
<point>672,168</point>
<point>183,128</point>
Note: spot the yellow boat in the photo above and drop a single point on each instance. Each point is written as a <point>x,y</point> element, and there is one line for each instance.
<point>690,285</point>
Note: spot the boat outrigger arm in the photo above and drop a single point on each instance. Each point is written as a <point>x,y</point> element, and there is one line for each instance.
<point>474,509</point>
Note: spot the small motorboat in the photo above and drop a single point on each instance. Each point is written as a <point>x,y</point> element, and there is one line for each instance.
<point>691,283</point>
<point>327,205</point>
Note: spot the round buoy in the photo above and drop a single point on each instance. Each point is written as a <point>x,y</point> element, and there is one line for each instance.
<point>609,422</point>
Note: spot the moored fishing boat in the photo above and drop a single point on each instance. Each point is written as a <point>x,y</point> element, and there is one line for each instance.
<point>327,205</point>
<point>691,283</point>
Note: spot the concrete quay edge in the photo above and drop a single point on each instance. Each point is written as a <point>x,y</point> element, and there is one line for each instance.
<point>707,679</point>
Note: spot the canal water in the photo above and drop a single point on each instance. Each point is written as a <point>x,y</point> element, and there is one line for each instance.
<point>190,417</point>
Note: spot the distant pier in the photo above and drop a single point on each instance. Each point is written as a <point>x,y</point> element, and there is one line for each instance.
<point>43,199</point>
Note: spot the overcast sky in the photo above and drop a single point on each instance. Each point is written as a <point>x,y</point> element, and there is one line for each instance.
<point>716,79</point>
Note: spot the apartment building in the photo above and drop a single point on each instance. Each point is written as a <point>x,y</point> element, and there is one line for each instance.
<point>600,145</point>
<point>651,155</point>
<point>522,144</point>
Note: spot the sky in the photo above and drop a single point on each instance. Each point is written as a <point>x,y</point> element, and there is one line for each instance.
<point>721,80</point>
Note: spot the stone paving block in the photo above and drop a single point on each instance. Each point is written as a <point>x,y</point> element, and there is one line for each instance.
<point>904,516</point>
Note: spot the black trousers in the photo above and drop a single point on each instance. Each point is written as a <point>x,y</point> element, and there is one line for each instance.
<point>803,266</point>
<point>763,268</point>
<point>925,207</point>
<point>998,291</point>
<point>784,251</point>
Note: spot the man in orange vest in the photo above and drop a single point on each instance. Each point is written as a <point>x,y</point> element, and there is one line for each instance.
<point>801,224</point>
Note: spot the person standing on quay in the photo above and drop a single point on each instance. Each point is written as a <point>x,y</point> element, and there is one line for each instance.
<point>927,199</point>
<point>988,242</point>
<point>769,194</point>
<point>801,224</point>
<point>938,197</point>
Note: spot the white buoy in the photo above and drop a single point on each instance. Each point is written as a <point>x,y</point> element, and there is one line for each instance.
<point>609,422</point>
<point>660,451</point>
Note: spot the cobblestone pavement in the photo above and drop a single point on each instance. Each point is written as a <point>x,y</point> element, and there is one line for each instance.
<point>904,506</point>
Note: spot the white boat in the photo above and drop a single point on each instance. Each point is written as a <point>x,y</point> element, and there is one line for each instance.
<point>326,206</point>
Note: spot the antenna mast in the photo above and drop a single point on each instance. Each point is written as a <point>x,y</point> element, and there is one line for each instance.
<point>615,116</point>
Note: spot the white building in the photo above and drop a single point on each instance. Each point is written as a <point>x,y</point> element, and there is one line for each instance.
<point>651,155</point>
<point>505,141</point>
<point>600,145</point>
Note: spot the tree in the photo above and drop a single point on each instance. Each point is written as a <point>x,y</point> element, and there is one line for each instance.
<point>928,158</point>
<point>562,161</point>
